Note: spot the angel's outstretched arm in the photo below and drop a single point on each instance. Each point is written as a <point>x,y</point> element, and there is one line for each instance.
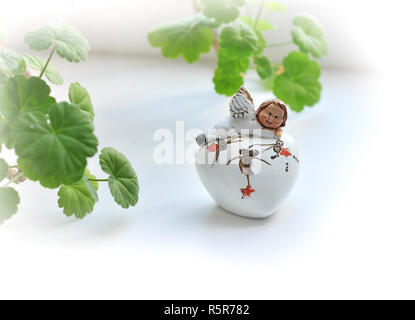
<point>278,133</point>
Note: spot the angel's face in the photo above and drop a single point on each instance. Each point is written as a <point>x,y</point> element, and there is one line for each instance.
<point>272,116</point>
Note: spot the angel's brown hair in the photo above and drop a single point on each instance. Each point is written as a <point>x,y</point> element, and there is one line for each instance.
<point>279,104</point>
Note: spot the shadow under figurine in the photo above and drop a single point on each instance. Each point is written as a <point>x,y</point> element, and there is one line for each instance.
<point>234,138</point>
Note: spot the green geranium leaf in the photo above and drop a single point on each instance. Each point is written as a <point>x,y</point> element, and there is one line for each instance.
<point>77,199</point>
<point>37,63</point>
<point>231,64</point>
<point>239,40</point>
<point>123,181</point>
<point>3,78</point>
<point>9,200</point>
<point>5,134</point>
<point>188,38</point>
<point>2,132</point>
<point>262,43</point>
<point>298,85</point>
<point>268,83</point>
<point>92,186</point>
<point>227,84</point>
<point>262,25</point>
<point>4,168</point>
<point>66,40</point>
<point>275,6</point>
<point>309,35</point>
<point>32,173</point>
<point>20,95</point>
<point>223,11</point>
<point>201,20</point>
<point>80,97</point>
<point>263,66</point>
<point>228,77</point>
<point>10,64</point>
<point>55,152</point>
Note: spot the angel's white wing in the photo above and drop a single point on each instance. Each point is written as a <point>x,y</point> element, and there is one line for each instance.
<point>240,107</point>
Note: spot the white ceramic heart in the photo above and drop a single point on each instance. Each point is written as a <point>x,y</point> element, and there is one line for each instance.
<point>268,185</point>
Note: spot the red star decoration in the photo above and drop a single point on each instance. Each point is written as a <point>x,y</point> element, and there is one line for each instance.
<point>213,147</point>
<point>285,152</point>
<point>247,191</point>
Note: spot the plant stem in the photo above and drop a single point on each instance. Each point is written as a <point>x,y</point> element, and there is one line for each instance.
<point>273,45</point>
<point>15,178</point>
<point>98,180</point>
<point>259,14</point>
<point>47,62</point>
<point>13,167</point>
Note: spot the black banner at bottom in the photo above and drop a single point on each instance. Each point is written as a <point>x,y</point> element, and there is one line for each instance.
<point>212,309</point>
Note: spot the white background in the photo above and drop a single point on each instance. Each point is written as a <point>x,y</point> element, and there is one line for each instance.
<point>347,230</point>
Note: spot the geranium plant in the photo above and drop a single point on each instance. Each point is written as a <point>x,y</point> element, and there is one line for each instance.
<point>240,43</point>
<point>53,140</point>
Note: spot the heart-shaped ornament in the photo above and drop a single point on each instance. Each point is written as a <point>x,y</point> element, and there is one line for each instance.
<point>246,163</point>
<point>243,184</point>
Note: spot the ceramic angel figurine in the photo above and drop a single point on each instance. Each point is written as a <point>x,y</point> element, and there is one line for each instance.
<point>271,114</point>
<point>268,160</point>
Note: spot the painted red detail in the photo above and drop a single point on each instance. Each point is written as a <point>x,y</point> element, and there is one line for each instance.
<point>247,191</point>
<point>285,152</point>
<point>213,147</point>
